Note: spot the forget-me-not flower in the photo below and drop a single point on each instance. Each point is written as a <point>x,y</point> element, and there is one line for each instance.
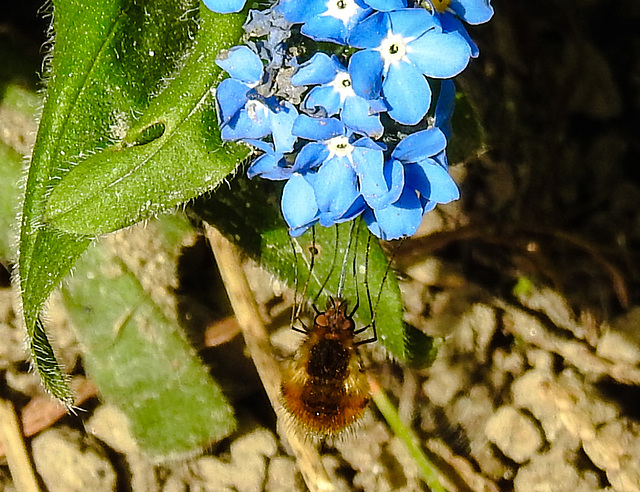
<point>470,11</point>
<point>451,13</point>
<point>344,173</point>
<point>335,95</point>
<point>369,139</point>
<point>427,183</point>
<point>325,20</point>
<point>401,48</point>
<point>244,113</point>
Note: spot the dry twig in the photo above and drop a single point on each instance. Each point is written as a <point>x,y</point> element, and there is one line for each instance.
<point>255,335</point>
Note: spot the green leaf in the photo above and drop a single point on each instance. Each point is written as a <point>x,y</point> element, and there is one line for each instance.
<point>122,305</point>
<point>249,213</point>
<point>109,58</point>
<point>172,154</point>
<point>468,135</point>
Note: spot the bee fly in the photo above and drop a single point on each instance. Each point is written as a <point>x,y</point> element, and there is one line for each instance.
<point>325,388</point>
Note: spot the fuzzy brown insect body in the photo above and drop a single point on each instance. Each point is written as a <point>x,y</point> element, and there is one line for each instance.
<point>325,388</point>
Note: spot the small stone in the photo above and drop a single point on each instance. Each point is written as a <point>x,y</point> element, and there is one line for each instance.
<point>12,348</point>
<point>472,411</point>
<point>444,382</point>
<point>111,426</point>
<point>212,471</point>
<point>514,433</point>
<point>283,476</point>
<point>258,443</point>
<point>68,461</point>
<point>616,347</point>
<point>247,470</point>
<point>615,449</point>
<point>542,360</point>
<point>627,477</point>
<point>248,459</point>
<point>537,392</point>
<point>427,272</point>
<point>550,472</point>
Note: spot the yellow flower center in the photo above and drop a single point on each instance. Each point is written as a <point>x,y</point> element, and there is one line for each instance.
<point>340,147</point>
<point>441,5</point>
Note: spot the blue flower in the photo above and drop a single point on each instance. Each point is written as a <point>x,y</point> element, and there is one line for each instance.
<point>323,147</point>
<point>246,114</point>
<point>401,48</point>
<point>225,6</point>
<point>346,175</point>
<point>470,11</point>
<point>325,20</point>
<point>427,183</point>
<point>335,95</point>
<point>450,13</point>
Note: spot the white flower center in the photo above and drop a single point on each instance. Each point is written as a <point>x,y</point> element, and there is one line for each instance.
<point>342,10</point>
<point>256,110</point>
<point>339,147</point>
<point>394,49</point>
<point>342,85</point>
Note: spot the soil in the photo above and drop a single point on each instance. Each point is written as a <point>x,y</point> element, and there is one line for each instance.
<point>529,283</point>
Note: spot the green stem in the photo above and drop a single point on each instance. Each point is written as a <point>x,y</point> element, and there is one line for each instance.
<point>426,468</point>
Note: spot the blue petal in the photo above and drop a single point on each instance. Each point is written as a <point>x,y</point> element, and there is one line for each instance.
<point>231,96</point>
<point>261,144</point>
<point>407,93</point>
<point>380,184</point>
<point>440,55</point>
<point>225,6</point>
<point>445,106</point>
<point>241,63</point>
<point>370,32</point>
<point>420,145</point>
<point>270,166</point>
<point>370,144</point>
<point>320,69</point>
<point>443,187</point>
<point>297,11</point>
<point>365,69</point>
<point>323,97</point>
<point>355,115</point>
<point>450,23</point>
<point>281,127</point>
<point>397,220</point>
<point>325,27</point>
<point>472,11</point>
<point>311,156</point>
<point>427,205</point>
<point>317,128</point>
<point>412,23</point>
<point>356,208</point>
<point>441,159</point>
<point>386,5</point>
<point>377,106</point>
<point>335,187</point>
<point>298,204</point>
<point>248,124</point>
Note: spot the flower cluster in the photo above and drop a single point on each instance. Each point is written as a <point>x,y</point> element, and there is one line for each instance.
<point>349,101</point>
